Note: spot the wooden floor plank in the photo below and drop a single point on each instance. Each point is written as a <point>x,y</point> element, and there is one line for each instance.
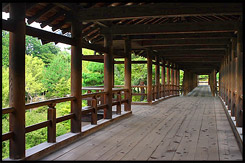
<point>192,127</point>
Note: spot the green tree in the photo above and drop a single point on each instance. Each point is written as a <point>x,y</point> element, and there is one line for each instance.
<point>33,73</point>
<point>5,87</point>
<point>5,48</point>
<point>59,70</point>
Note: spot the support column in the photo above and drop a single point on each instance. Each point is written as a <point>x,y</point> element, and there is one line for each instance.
<point>175,81</point>
<point>108,58</point>
<point>172,80</point>
<point>76,76</point>
<point>239,81</point>
<point>127,63</point>
<point>229,77</point>
<point>168,79</point>
<point>149,77</point>
<point>157,77</point>
<point>17,80</point>
<point>163,78</point>
<point>233,76</point>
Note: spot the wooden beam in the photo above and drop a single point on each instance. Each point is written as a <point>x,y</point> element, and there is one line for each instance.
<point>174,42</point>
<point>52,37</point>
<point>159,10</point>
<point>178,36</point>
<point>50,20</point>
<point>17,81</point>
<point>40,13</point>
<point>201,27</point>
<point>191,52</point>
<point>190,47</point>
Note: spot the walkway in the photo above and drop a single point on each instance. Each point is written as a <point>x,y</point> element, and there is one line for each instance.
<point>192,127</point>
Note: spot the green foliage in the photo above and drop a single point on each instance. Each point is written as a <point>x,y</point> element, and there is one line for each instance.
<point>95,74</point>
<point>57,75</point>
<point>33,74</point>
<point>5,87</point>
<point>5,48</point>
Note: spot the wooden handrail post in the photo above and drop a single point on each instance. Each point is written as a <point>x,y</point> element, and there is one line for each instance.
<point>17,80</point>
<point>94,112</point>
<point>76,76</point>
<point>127,82</point>
<point>118,111</point>
<point>52,126</point>
<point>149,77</point>
<point>108,58</point>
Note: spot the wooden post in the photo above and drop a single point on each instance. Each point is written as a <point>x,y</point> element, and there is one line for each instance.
<point>118,111</point>
<point>76,76</point>
<point>17,80</point>
<point>163,78</point>
<point>175,81</point>
<point>168,79</point>
<point>229,77</point>
<point>149,77</point>
<point>52,126</point>
<point>239,81</point>
<point>127,64</point>
<point>94,112</point>
<point>157,77</point>
<point>108,58</point>
<point>172,81</point>
<point>233,76</point>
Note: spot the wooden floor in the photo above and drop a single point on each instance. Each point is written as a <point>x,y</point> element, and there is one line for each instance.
<point>193,127</point>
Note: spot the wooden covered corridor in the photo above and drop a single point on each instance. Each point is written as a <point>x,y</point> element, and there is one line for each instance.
<point>192,127</point>
<point>197,38</point>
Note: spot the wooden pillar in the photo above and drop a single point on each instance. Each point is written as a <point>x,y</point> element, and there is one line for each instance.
<point>233,76</point>
<point>17,80</point>
<point>178,81</point>
<point>229,77</point>
<point>168,79</point>
<point>172,80</point>
<point>163,78</point>
<point>157,77</point>
<point>226,80</point>
<point>239,81</point>
<point>127,63</point>
<point>108,58</point>
<point>149,77</point>
<point>175,81</point>
<point>185,83</point>
<point>76,76</point>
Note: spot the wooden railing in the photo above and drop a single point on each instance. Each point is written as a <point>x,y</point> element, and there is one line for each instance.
<point>97,104</point>
<point>167,90</point>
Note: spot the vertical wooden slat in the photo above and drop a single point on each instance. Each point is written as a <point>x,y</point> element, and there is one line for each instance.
<point>127,64</point>
<point>17,80</point>
<point>76,76</point>
<point>108,58</point>
<point>157,77</point>
<point>52,126</point>
<point>149,77</point>
<point>239,81</point>
<point>94,112</point>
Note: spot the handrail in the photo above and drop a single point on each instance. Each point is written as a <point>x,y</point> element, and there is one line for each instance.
<point>48,102</point>
<point>7,110</point>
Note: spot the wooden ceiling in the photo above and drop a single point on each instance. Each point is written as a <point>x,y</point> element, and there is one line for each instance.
<point>192,35</point>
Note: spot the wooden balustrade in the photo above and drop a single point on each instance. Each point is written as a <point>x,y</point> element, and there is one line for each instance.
<point>52,120</point>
